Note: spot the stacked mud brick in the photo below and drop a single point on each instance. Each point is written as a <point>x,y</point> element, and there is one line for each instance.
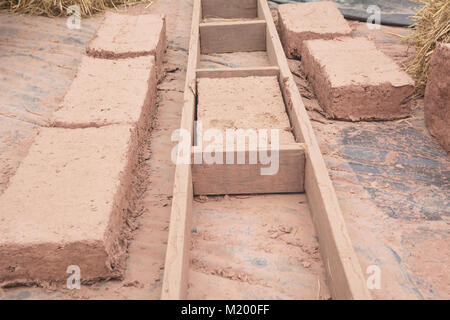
<point>350,77</point>
<point>68,201</point>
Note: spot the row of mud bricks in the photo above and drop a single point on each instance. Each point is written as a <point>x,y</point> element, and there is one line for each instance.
<point>69,200</point>
<point>351,78</point>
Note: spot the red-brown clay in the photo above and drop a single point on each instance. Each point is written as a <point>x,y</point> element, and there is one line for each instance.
<point>116,98</point>
<point>243,103</point>
<point>255,247</point>
<point>67,205</point>
<point>38,62</point>
<point>129,36</point>
<point>109,92</point>
<point>305,21</point>
<point>354,81</point>
<point>437,96</point>
<point>423,260</point>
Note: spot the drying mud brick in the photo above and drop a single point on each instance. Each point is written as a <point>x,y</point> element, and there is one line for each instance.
<point>437,96</point>
<point>110,92</point>
<point>256,103</point>
<point>306,21</point>
<point>67,205</point>
<point>129,36</point>
<point>354,81</point>
<point>243,103</point>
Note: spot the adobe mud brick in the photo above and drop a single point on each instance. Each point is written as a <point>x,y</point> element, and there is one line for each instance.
<point>129,36</point>
<point>306,21</point>
<point>437,96</point>
<point>67,205</point>
<point>110,92</point>
<point>243,103</point>
<point>354,81</point>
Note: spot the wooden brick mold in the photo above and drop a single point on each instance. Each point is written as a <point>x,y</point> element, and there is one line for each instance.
<point>345,278</point>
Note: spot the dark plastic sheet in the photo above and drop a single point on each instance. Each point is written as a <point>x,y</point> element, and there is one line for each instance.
<point>393,12</point>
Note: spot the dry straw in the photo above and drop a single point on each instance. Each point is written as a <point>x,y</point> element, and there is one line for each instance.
<point>54,8</point>
<point>432,25</point>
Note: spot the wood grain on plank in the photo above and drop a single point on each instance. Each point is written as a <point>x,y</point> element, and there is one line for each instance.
<point>219,179</point>
<point>174,285</point>
<point>237,72</point>
<point>235,36</point>
<point>229,9</point>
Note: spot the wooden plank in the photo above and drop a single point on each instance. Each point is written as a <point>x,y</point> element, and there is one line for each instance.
<point>235,36</point>
<point>346,280</point>
<point>237,72</point>
<point>177,255</point>
<point>219,179</point>
<point>229,9</point>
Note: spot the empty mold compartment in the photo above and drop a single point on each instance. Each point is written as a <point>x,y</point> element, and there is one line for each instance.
<point>232,36</point>
<point>255,247</point>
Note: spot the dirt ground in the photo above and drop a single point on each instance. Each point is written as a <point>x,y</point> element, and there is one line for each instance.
<point>255,247</point>
<point>392,179</point>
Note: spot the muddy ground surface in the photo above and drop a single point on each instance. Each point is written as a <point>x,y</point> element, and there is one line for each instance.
<point>255,247</point>
<point>392,178</point>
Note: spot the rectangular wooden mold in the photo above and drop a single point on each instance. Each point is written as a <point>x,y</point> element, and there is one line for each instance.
<point>344,274</point>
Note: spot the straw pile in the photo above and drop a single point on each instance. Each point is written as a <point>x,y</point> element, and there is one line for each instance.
<point>54,8</point>
<point>432,24</point>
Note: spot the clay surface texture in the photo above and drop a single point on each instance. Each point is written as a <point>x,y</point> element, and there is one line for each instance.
<point>109,92</point>
<point>354,81</point>
<point>299,22</point>
<point>243,103</point>
<point>128,36</point>
<point>437,96</point>
<point>65,206</point>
